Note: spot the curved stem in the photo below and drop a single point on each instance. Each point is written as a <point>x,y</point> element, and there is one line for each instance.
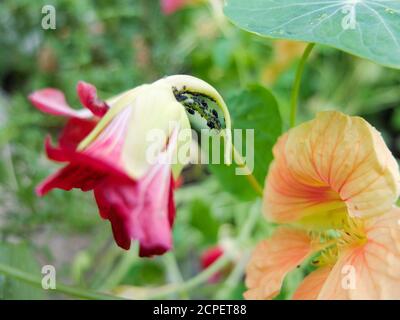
<point>297,83</point>
<point>121,269</point>
<point>222,262</point>
<point>175,273</point>
<point>161,292</point>
<point>234,278</point>
<point>61,288</point>
<point>237,273</point>
<point>249,176</point>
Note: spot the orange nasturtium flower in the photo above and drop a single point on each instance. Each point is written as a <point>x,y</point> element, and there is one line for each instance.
<point>334,184</point>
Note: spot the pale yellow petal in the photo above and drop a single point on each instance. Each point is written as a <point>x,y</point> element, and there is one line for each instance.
<point>156,113</point>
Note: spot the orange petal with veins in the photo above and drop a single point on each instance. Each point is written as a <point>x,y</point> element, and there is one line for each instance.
<point>330,167</point>
<point>370,271</point>
<point>312,284</point>
<point>272,259</point>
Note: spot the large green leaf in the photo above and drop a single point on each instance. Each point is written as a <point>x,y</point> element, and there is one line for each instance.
<point>254,108</point>
<point>366,28</point>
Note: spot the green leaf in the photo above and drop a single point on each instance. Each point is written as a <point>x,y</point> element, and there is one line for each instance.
<point>21,257</point>
<point>203,220</point>
<point>254,108</point>
<point>366,28</point>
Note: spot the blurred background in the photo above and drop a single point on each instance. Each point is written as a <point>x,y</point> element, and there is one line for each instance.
<point>117,45</point>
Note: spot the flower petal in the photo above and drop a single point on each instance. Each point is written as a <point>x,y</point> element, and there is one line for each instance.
<point>142,210</point>
<point>88,96</point>
<point>287,199</point>
<point>156,114</point>
<point>87,168</point>
<point>209,256</point>
<point>311,286</point>
<point>330,166</point>
<point>273,259</point>
<point>372,270</point>
<point>107,146</point>
<point>75,131</point>
<point>53,101</point>
<point>72,176</point>
<point>83,171</point>
<point>103,154</point>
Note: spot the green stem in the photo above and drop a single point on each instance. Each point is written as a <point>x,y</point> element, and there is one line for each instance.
<point>218,265</point>
<point>174,272</point>
<point>249,176</point>
<point>11,168</point>
<point>237,273</point>
<point>121,269</point>
<point>200,278</point>
<point>234,278</point>
<point>297,83</point>
<point>61,288</point>
<point>103,266</point>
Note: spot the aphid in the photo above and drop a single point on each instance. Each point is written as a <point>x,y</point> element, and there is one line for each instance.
<point>197,102</point>
<point>181,97</point>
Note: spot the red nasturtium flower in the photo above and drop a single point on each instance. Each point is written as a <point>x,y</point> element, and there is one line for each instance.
<point>334,184</point>
<point>105,150</point>
<point>208,257</point>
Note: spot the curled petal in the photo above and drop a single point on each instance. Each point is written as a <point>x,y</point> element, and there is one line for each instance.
<point>142,210</point>
<point>83,171</point>
<point>329,167</point>
<point>108,144</point>
<point>156,115</point>
<point>53,101</point>
<point>76,175</point>
<point>86,168</point>
<point>372,270</point>
<point>88,96</point>
<point>272,259</point>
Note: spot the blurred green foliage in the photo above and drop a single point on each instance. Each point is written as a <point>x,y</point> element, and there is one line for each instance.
<point>117,45</point>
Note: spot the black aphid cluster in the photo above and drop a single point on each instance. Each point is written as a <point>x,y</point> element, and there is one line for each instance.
<point>197,102</point>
